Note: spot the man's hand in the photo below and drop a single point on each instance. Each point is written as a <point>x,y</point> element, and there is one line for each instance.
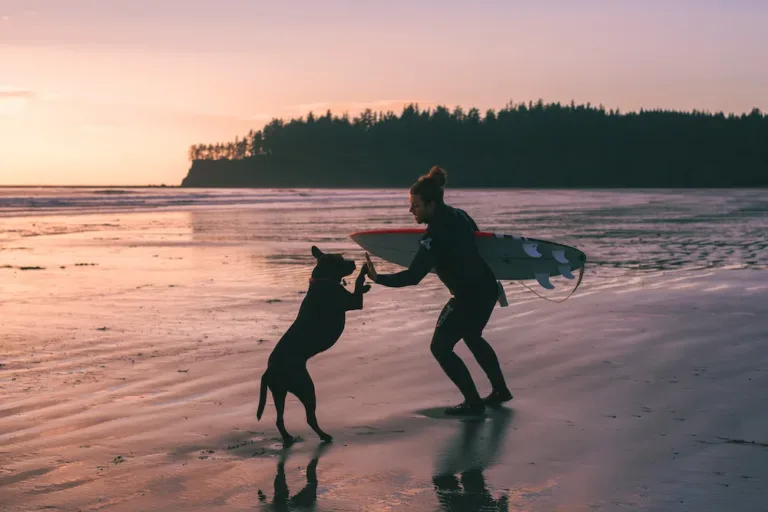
<point>371,269</point>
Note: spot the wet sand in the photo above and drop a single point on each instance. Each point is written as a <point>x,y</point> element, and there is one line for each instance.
<point>129,382</point>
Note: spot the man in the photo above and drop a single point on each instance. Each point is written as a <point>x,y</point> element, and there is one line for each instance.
<point>449,247</point>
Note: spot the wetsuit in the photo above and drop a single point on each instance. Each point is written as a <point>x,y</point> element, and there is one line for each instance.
<point>448,246</point>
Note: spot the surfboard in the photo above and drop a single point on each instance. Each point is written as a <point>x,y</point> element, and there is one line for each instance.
<point>511,257</point>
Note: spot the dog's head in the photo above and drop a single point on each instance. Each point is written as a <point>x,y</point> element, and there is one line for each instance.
<point>331,266</point>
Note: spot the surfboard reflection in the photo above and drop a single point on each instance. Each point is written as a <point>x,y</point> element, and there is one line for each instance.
<point>306,498</point>
<point>465,456</point>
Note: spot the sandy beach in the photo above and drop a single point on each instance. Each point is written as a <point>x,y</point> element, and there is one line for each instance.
<point>130,359</point>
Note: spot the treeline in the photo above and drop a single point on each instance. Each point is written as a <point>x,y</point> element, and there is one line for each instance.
<point>534,144</point>
<point>249,145</point>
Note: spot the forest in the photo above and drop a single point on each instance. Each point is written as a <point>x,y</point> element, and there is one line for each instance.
<point>519,145</point>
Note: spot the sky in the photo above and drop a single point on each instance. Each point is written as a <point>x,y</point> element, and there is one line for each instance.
<point>114,92</point>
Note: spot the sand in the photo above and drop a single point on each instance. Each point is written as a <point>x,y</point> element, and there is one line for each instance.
<point>131,384</point>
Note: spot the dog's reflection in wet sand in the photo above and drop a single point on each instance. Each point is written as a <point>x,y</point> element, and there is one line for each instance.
<point>306,498</point>
<point>465,456</point>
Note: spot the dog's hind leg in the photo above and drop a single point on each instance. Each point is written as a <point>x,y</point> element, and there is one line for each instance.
<point>278,395</point>
<point>305,392</point>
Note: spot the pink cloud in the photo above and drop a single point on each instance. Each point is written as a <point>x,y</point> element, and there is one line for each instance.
<point>13,92</point>
<point>13,100</point>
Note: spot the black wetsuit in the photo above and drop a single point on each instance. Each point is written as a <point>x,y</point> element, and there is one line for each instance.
<point>449,246</point>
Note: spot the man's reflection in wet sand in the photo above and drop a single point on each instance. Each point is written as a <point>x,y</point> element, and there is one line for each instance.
<point>466,456</point>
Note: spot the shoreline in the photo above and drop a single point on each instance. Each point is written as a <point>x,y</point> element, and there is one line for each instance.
<point>606,188</point>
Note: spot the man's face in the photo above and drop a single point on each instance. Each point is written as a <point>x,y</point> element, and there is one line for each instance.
<point>421,212</point>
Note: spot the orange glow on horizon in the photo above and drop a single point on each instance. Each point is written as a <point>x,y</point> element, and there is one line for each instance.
<point>119,93</point>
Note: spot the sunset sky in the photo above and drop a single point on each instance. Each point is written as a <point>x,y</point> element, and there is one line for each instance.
<point>115,91</point>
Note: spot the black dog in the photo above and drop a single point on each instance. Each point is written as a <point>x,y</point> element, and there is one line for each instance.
<point>317,327</point>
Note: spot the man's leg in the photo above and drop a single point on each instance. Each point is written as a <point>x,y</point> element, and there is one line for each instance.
<point>484,354</point>
<point>448,332</point>
<point>488,360</point>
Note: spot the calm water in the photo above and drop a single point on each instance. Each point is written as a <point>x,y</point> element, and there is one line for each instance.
<point>622,232</point>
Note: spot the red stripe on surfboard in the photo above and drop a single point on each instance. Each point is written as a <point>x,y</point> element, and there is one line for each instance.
<point>408,231</point>
<point>389,231</point>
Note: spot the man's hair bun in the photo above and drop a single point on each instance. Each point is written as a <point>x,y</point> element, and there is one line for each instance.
<point>438,174</point>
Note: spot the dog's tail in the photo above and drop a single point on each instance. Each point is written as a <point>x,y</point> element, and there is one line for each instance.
<point>263,394</point>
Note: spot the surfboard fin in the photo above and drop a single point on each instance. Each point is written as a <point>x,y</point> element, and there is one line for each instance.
<point>502,296</point>
<point>565,271</point>
<point>559,256</point>
<point>531,250</point>
<point>543,280</point>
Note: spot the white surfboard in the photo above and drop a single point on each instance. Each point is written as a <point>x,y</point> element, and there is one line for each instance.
<point>510,257</point>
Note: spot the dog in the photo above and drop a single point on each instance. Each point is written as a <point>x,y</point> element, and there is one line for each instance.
<point>319,324</point>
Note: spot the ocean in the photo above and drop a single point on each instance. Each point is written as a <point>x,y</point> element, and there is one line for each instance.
<point>624,233</point>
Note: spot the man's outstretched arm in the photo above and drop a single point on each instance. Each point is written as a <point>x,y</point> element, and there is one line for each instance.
<point>420,266</point>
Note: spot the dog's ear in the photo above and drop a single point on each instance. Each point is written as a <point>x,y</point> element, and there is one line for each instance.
<point>316,252</point>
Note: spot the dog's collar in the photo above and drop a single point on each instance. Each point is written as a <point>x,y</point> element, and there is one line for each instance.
<point>318,279</point>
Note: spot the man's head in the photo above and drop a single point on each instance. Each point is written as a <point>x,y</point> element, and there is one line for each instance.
<point>427,194</point>
<point>331,266</point>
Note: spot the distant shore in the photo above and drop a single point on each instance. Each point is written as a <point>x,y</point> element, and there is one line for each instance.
<point>264,173</point>
<point>401,187</point>
<point>90,186</point>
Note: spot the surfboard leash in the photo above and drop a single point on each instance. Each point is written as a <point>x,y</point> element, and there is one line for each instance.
<point>581,274</point>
